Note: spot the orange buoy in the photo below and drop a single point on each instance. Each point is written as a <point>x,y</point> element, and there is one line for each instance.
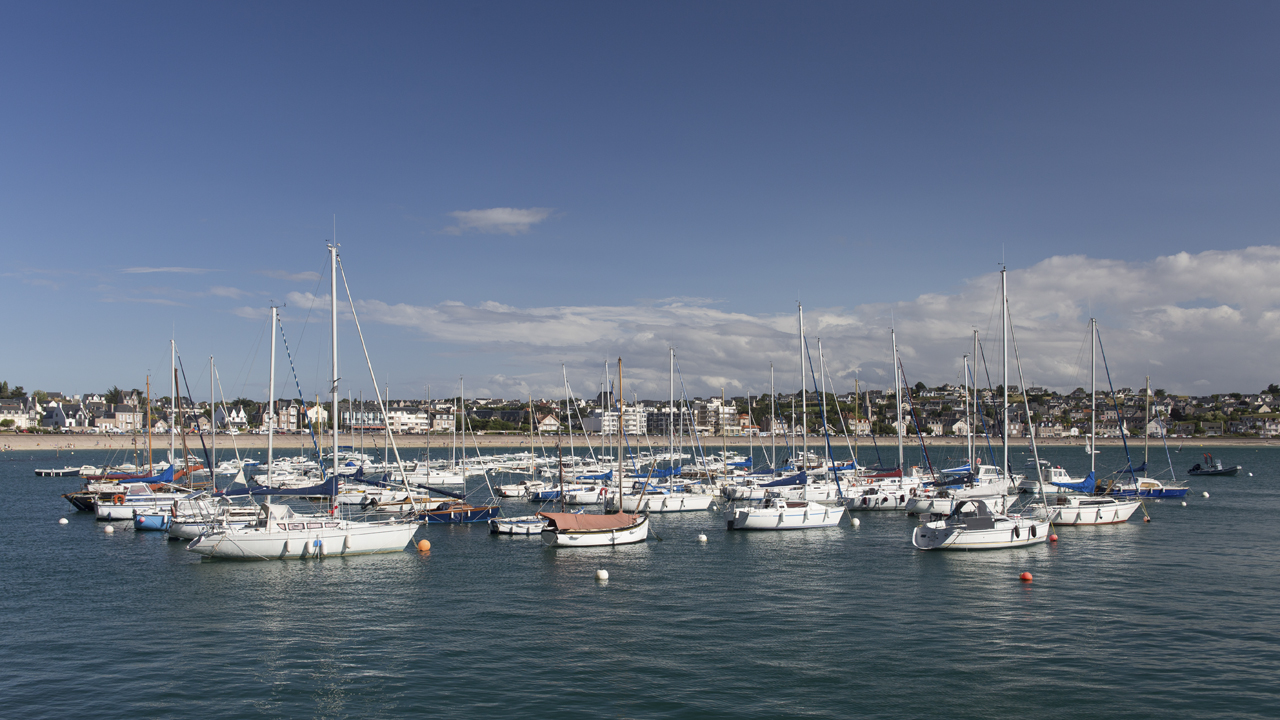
<point>424,546</point>
<point>1146,519</point>
<point>1025,577</point>
<point>1053,538</point>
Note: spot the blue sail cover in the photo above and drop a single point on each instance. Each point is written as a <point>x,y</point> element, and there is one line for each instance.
<point>962,470</point>
<point>602,476</point>
<point>164,477</point>
<point>851,466</point>
<point>744,463</point>
<point>799,478</point>
<point>1084,486</point>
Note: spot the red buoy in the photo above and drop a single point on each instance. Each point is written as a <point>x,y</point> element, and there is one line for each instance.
<point>1025,577</point>
<point>1146,519</point>
<point>1053,538</point>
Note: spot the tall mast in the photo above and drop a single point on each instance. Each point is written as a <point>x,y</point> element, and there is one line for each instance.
<point>620,402</point>
<point>973,438</point>
<point>150,459</point>
<point>899,428</point>
<point>671,409</point>
<point>804,405</point>
<point>724,437</point>
<point>822,371</point>
<point>1146,422</point>
<point>213,426</point>
<point>968,419</point>
<point>1004,349</point>
<point>1093,392</point>
<point>173,397</point>
<point>271,395</point>
<point>773,421</point>
<point>333,333</point>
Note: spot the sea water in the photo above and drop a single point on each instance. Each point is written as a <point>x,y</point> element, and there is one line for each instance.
<point>1172,618</point>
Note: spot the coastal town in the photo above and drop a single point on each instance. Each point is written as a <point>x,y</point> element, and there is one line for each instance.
<point>939,411</point>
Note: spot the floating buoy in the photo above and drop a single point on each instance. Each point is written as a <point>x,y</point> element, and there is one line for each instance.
<point>424,546</point>
<point>1053,538</point>
<point>856,522</point>
<point>108,530</point>
<point>702,537</point>
<point>1025,577</point>
<point>1250,474</point>
<point>602,575</point>
<point>1205,494</point>
<point>62,521</point>
<point>1184,503</point>
<point>1146,519</point>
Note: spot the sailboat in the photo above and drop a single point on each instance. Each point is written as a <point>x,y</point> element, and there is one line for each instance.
<point>972,524</point>
<point>587,530</point>
<point>280,532</point>
<point>782,510</point>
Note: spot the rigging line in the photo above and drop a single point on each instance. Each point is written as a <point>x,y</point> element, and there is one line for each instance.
<point>207,461</point>
<point>911,405</point>
<point>390,438</point>
<point>310,426</point>
<point>218,379</point>
<point>251,360</point>
<point>314,298</point>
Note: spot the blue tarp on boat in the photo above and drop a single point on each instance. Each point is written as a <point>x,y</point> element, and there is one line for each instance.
<point>1084,486</point>
<point>602,476</point>
<point>744,463</point>
<point>799,478</point>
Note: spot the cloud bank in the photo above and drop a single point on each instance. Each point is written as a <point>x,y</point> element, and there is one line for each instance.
<point>1202,323</point>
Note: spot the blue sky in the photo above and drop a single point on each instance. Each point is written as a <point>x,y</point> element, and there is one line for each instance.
<point>518,185</point>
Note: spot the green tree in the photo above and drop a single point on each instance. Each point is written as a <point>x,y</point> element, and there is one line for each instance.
<point>6,423</point>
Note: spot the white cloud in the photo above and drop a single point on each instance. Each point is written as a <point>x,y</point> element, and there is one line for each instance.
<point>228,292</point>
<point>307,276</point>
<point>1230,336</point>
<point>136,270</point>
<point>497,221</point>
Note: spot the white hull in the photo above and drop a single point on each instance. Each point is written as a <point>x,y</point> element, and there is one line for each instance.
<point>975,527</point>
<point>782,515</point>
<point>1091,511</point>
<point>283,535</point>
<point>945,505</point>
<point>634,533</point>
<point>664,502</point>
<point>526,525</point>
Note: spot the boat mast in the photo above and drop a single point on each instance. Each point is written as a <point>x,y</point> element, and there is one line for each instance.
<point>724,437</point>
<point>532,472</point>
<point>973,431</point>
<point>213,427</point>
<point>671,409</point>
<point>822,372</point>
<point>968,419</point>
<point>1146,422</point>
<point>899,428</point>
<point>1004,349</point>
<point>773,421</point>
<point>271,395</point>
<point>804,405</point>
<point>568,418</point>
<point>333,332</point>
<point>173,382</point>
<point>150,458</point>
<point>1093,392</point>
<point>620,401</point>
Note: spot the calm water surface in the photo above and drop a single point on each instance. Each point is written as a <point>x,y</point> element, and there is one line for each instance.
<point>1175,618</point>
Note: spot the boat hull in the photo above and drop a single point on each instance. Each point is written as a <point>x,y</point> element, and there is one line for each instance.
<point>330,539</point>
<point>1092,511</point>
<point>526,525</point>
<point>635,533</point>
<point>803,517</point>
<point>665,503</point>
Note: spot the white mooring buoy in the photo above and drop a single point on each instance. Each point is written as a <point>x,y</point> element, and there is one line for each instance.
<point>702,537</point>
<point>62,521</point>
<point>602,575</point>
<point>1250,474</point>
<point>1184,503</point>
<point>856,522</point>
<point>1206,494</point>
<point>108,530</point>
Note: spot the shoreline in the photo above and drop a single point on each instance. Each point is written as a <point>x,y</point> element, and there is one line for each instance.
<point>24,442</point>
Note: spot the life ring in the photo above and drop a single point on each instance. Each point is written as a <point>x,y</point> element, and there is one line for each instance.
<point>118,499</point>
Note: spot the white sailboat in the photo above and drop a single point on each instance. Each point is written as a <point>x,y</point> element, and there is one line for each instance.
<point>586,530</point>
<point>972,525</point>
<point>279,532</point>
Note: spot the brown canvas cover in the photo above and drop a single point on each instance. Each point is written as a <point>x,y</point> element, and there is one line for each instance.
<point>583,521</point>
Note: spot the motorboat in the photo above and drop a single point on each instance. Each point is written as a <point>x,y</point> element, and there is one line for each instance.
<point>973,526</point>
<point>521,525</point>
<point>1210,466</point>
